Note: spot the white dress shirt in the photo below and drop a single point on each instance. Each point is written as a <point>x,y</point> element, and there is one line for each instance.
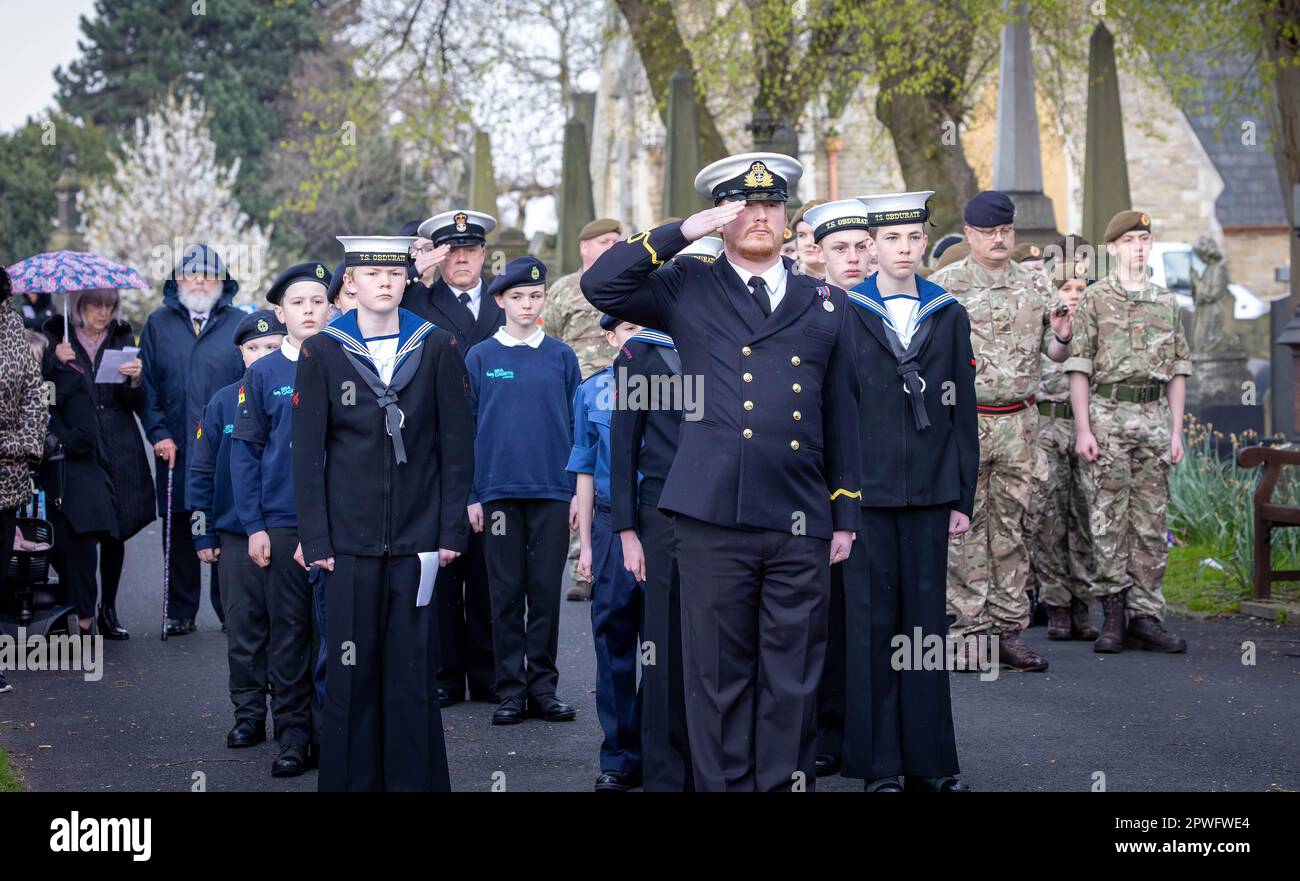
<point>774,277</point>
<point>288,349</point>
<point>475,296</point>
<point>534,340</point>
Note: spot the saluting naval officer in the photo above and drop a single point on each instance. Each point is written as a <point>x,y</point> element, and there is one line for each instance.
<point>383,461</point>
<point>920,459</point>
<point>456,303</point>
<point>764,486</point>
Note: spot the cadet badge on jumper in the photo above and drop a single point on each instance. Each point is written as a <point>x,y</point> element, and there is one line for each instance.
<point>262,327</point>
<point>758,176</point>
<point>461,220</point>
<point>198,435</point>
<point>536,273</point>
<point>295,399</point>
<point>241,394</point>
<point>320,271</point>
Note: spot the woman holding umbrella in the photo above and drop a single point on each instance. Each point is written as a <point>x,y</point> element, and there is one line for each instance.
<point>96,329</point>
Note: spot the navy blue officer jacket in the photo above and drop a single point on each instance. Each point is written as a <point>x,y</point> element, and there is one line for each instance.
<point>775,444</point>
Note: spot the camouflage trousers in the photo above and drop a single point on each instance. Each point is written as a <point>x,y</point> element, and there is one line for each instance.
<point>1127,494</point>
<point>988,566</point>
<point>1060,553</point>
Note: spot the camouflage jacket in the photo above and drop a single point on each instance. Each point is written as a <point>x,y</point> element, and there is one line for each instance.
<point>1007,319</point>
<point>1128,336</point>
<point>568,316</point>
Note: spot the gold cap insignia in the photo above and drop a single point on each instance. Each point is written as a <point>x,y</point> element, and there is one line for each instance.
<point>262,326</point>
<point>1144,219</point>
<point>461,219</point>
<point>1033,251</point>
<point>320,271</point>
<point>537,273</point>
<point>758,176</point>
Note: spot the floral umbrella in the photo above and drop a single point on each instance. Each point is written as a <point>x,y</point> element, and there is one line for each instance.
<point>62,272</point>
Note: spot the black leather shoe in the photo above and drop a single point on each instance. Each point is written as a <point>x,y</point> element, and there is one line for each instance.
<point>445,698</point>
<point>484,696</point>
<point>180,626</point>
<point>109,626</point>
<point>291,761</point>
<point>246,733</point>
<point>617,781</point>
<point>826,764</point>
<point>883,784</point>
<point>550,708</point>
<point>936,784</point>
<point>510,712</point>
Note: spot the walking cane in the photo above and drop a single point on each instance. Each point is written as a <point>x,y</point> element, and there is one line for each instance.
<point>167,546</point>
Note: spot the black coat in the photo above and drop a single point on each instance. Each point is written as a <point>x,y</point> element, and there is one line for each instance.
<point>902,465</point>
<point>642,440</point>
<point>79,485</point>
<point>117,405</point>
<point>439,305</point>
<point>799,467</point>
<point>352,496</point>
<point>181,374</point>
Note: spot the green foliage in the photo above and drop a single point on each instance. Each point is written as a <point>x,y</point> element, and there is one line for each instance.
<point>8,781</point>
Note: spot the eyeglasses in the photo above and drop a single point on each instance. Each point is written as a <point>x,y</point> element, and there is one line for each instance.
<point>996,232</point>
<point>423,249</point>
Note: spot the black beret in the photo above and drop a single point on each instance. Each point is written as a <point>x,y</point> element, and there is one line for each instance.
<point>944,244</point>
<point>410,228</point>
<point>312,271</point>
<point>526,270</point>
<point>257,324</point>
<point>990,208</point>
<point>336,282</point>
<point>609,322</point>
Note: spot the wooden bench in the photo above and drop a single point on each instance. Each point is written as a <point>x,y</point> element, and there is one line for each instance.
<point>1268,515</point>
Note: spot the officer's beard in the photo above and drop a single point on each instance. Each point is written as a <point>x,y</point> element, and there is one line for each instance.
<point>199,303</point>
<point>758,248</point>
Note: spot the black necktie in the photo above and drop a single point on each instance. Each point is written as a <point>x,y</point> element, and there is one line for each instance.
<point>464,301</point>
<point>760,294</point>
<point>198,325</point>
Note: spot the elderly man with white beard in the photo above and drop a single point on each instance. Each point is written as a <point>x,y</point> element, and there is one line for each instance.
<point>188,352</point>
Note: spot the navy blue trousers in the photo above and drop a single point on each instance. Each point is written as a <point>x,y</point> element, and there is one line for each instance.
<point>615,628</point>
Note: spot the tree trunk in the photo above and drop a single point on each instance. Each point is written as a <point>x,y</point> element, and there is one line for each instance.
<point>1283,48</point>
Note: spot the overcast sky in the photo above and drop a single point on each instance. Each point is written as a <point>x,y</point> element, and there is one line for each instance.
<point>40,35</point>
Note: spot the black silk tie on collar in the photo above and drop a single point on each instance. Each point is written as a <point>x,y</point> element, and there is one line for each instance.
<point>911,373</point>
<point>760,294</point>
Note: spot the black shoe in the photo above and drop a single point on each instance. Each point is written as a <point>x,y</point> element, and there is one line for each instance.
<point>180,626</point>
<point>484,696</point>
<point>291,761</point>
<point>827,764</point>
<point>444,699</point>
<point>936,784</point>
<point>510,712</point>
<point>883,784</point>
<point>4,684</point>
<point>109,626</point>
<point>617,781</point>
<point>246,733</point>
<point>550,708</point>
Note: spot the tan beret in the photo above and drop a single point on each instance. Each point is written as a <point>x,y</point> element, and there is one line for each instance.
<point>1026,251</point>
<point>953,254</point>
<point>1127,221</point>
<point>599,227</point>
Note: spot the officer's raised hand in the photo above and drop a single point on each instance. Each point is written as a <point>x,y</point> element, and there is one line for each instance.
<point>705,222</point>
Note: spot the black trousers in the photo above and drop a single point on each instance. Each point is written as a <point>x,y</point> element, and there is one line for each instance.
<point>382,729</point>
<point>247,627</point>
<point>665,748</point>
<point>8,522</point>
<point>289,655</point>
<point>526,542</point>
<point>186,585</point>
<point>830,692</point>
<point>895,583</point>
<point>465,623</point>
<point>753,648</point>
<point>75,556</point>
<point>112,556</point>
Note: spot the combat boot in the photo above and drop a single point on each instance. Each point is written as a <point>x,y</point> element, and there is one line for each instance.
<point>1080,626</point>
<point>1013,653</point>
<point>1144,632</point>
<point>1058,623</point>
<point>1111,640</point>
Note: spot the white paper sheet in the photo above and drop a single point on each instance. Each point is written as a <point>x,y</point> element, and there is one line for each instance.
<point>113,359</point>
<point>428,575</point>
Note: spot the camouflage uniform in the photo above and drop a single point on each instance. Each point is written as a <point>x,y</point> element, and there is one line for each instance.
<point>1133,340</point>
<point>1059,550</point>
<point>568,316</point>
<point>988,566</point>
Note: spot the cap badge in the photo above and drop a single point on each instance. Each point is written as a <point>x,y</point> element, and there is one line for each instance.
<point>1033,251</point>
<point>461,220</point>
<point>537,273</point>
<point>320,271</point>
<point>1144,219</point>
<point>758,176</point>
<point>262,326</point>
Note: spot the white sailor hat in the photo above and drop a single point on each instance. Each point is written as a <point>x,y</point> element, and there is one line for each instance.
<point>458,227</point>
<point>891,209</point>
<point>834,216</point>
<point>756,177</point>
<point>375,250</point>
<point>705,250</point>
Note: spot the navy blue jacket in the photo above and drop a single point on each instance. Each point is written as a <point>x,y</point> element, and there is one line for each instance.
<point>261,458</point>
<point>774,444</point>
<point>209,473</point>
<point>182,372</point>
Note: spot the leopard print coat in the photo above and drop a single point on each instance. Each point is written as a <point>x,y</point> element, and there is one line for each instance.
<point>23,413</point>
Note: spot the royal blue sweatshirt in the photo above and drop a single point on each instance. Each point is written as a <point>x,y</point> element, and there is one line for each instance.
<point>209,473</point>
<point>261,458</point>
<point>522,402</point>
